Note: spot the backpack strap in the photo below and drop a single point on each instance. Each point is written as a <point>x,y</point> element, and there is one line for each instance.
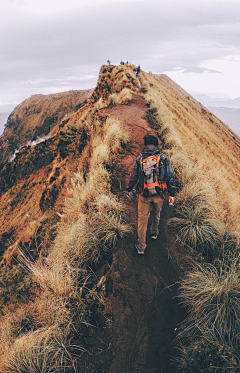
<point>157,185</point>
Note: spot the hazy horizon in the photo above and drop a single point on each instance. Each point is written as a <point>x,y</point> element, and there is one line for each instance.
<point>54,46</point>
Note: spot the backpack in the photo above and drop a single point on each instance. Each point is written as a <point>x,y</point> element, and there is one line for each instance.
<point>150,171</point>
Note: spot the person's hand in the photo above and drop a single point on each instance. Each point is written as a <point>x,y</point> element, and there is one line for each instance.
<point>131,195</point>
<point>171,201</point>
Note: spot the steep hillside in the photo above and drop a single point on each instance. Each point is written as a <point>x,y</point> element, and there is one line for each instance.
<point>96,306</point>
<point>33,179</point>
<point>37,117</point>
<point>206,140</point>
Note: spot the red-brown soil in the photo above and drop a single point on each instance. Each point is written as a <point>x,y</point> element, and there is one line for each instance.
<point>141,305</point>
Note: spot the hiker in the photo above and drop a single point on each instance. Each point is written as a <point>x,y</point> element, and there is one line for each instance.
<point>137,70</point>
<point>153,175</point>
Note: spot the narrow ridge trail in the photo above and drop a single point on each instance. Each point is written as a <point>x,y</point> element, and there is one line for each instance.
<point>141,289</point>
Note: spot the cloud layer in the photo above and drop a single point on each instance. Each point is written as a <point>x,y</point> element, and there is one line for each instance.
<point>60,46</point>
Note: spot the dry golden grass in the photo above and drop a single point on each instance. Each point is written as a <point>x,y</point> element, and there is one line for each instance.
<point>205,159</point>
<point>78,233</point>
<point>122,98</point>
<point>42,351</point>
<point>91,222</point>
<point>199,136</point>
<point>205,156</point>
<point>212,297</point>
<point>20,328</point>
<point>86,230</point>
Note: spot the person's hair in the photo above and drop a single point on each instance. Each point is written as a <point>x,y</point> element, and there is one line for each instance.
<point>150,139</point>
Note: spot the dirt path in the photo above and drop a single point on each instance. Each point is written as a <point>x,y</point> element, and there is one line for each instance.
<point>141,290</point>
<point>141,308</point>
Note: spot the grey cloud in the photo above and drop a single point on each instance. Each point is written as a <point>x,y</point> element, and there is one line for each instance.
<point>200,70</point>
<point>57,51</point>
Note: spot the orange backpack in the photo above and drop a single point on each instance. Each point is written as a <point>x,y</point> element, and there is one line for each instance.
<point>150,183</point>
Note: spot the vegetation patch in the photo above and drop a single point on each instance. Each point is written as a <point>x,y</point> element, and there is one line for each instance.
<point>27,163</point>
<point>208,339</point>
<point>49,197</point>
<point>5,240</point>
<point>46,334</point>
<point>16,287</point>
<point>20,196</point>
<point>72,141</point>
<point>46,127</point>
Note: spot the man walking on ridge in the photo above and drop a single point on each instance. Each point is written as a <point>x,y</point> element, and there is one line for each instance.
<point>153,175</point>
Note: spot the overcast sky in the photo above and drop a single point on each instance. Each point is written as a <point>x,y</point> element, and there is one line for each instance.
<point>49,46</point>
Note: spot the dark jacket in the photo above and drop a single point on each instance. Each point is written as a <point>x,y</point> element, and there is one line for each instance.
<point>166,171</point>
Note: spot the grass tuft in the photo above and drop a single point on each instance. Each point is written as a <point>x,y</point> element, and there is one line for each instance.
<point>43,351</point>
<point>212,296</point>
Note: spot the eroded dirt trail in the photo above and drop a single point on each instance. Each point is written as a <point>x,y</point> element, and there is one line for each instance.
<point>141,290</point>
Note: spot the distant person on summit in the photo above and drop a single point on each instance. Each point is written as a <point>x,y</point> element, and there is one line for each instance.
<point>137,70</point>
<point>152,174</point>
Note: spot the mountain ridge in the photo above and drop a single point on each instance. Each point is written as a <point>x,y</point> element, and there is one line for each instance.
<point>55,196</point>
<point>38,115</point>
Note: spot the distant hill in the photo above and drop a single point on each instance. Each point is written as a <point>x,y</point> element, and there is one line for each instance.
<point>217,102</point>
<point>229,116</point>
<point>228,111</point>
<point>37,116</point>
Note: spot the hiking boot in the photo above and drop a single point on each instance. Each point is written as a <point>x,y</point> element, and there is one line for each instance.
<point>138,251</point>
<point>154,236</point>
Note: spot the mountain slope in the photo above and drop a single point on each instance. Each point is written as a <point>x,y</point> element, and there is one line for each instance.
<point>36,117</point>
<point>64,199</point>
<point>206,140</point>
<point>37,175</point>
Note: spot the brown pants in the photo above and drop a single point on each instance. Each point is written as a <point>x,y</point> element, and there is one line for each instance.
<point>147,206</point>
